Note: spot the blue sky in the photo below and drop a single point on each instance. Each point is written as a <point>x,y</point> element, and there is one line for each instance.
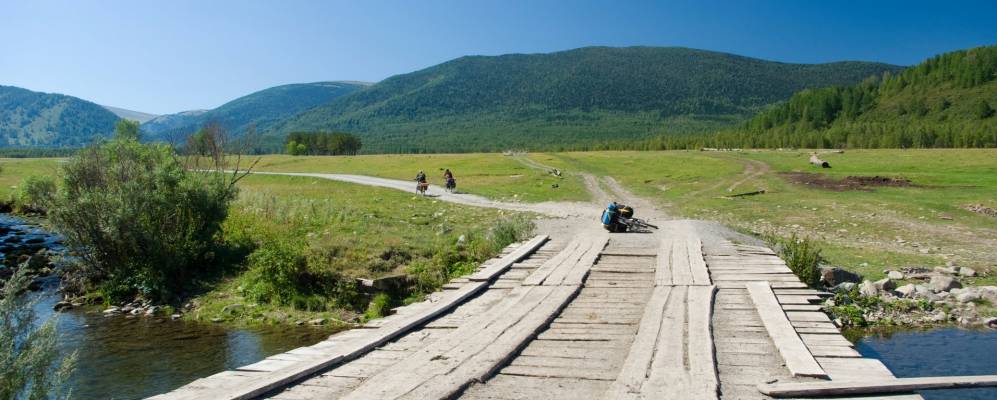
<point>169,56</point>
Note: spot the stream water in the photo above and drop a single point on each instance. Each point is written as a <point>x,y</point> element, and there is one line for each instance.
<point>133,357</point>
<point>938,352</point>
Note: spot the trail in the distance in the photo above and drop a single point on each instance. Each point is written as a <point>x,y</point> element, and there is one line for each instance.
<point>556,209</point>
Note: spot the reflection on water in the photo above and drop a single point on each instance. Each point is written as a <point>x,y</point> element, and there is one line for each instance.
<point>940,352</point>
<point>130,358</point>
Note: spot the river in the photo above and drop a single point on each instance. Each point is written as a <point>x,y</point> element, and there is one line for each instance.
<point>132,357</point>
<point>937,352</point>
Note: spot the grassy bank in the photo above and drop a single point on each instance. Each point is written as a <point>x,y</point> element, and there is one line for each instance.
<point>865,229</point>
<point>340,233</point>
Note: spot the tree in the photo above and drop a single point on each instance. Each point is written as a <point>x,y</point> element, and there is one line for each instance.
<point>141,219</point>
<point>30,366</point>
<point>127,129</point>
<point>983,110</point>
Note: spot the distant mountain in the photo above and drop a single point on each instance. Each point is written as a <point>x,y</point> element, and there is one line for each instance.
<point>185,121</point>
<point>947,101</point>
<point>562,99</point>
<point>35,119</point>
<point>260,110</point>
<point>129,114</point>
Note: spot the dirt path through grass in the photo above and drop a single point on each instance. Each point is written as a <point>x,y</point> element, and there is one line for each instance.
<point>555,209</point>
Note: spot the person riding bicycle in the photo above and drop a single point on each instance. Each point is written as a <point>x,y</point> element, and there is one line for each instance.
<point>420,177</point>
<point>616,217</point>
<point>449,180</point>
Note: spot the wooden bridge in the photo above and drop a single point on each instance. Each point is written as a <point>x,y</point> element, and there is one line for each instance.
<point>622,316</point>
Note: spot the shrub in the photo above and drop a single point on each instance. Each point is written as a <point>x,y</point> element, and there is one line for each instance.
<point>30,366</point>
<point>276,271</point>
<point>35,193</point>
<point>803,258</point>
<point>378,307</point>
<point>138,218</point>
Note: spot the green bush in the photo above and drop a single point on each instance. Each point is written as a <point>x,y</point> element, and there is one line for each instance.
<point>138,218</point>
<point>35,194</point>
<point>803,258</point>
<point>30,366</point>
<point>378,307</point>
<point>276,272</point>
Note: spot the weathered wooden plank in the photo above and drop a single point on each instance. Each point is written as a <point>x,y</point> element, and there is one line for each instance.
<point>663,273</point>
<point>681,268</point>
<point>633,373</point>
<point>497,353</point>
<point>794,299</point>
<point>877,386</point>
<point>697,265</point>
<point>499,266</point>
<point>807,316</point>
<point>798,359</point>
<point>570,253</point>
<point>702,367</point>
<point>833,351</point>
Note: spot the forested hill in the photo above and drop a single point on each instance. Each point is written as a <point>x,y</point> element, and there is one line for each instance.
<point>946,101</point>
<point>34,119</point>
<point>567,98</point>
<point>260,110</point>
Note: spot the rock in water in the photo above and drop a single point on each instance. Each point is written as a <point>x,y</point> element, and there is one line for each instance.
<point>832,276</point>
<point>941,283</point>
<point>62,306</point>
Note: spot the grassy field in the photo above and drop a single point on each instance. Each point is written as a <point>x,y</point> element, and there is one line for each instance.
<point>13,170</point>
<point>349,232</point>
<point>491,175</point>
<point>864,229</point>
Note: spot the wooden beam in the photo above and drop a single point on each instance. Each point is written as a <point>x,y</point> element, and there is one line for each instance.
<point>894,385</point>
<point>499,266</point>
<point>798,359</point>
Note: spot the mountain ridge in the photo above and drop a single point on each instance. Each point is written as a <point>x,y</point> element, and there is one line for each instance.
<point>591,94</point>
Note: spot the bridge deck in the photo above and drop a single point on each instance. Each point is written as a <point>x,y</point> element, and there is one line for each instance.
<point>596,316</point>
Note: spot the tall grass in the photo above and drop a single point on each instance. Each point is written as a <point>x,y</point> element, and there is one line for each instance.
<point>803,257</point>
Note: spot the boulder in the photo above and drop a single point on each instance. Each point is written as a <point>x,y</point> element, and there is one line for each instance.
<point>317,321</point>
<point>967,296</point>
<point>951,270</point>
<point>895,275</point>
<point>923,292</point>
<point>885,285</point>
<point>175,317</point>
<point>991,322</point>
<point>62,306</point>
<point>832,276</point>
<point>843,287</point>
<point>867,288</point>
<point>941,283</point>
<point>967,271</point>
<point>908,290</point>
<point>231,308</point>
